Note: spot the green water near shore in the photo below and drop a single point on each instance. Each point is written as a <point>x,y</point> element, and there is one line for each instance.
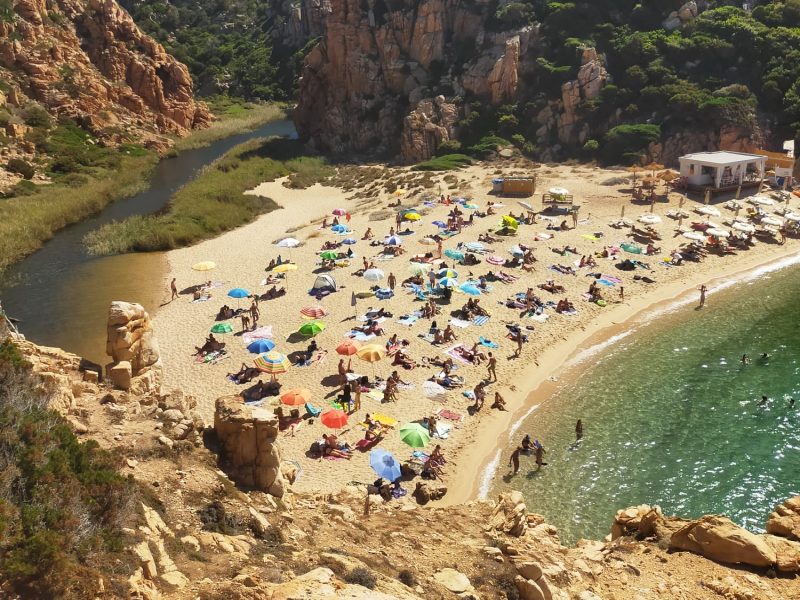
<point>672,417</point>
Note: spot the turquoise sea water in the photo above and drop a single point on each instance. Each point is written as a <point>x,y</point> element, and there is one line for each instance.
<point>672,417</point>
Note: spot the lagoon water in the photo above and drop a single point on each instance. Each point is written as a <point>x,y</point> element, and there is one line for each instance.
<point>672,417</point>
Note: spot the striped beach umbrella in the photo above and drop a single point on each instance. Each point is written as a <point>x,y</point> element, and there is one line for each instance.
<point>273,363</point>
<point>313,312</point>
<point>446,273</point>
<point>448,282</point>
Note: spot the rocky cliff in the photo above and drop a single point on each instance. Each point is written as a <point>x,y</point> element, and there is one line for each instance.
<point>87,60</point>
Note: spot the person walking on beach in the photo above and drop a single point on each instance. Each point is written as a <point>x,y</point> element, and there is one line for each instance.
<point>491,367</point>
<point>254,314</point>
<point>514,460</point>
<point>578,430</point>
<point>355,388</point>
<point>392,281</point>
<point>245,321</point>
<point>703,290</point>
<point>621,293</point>
<point>174,287</point>
<point>342,373</point>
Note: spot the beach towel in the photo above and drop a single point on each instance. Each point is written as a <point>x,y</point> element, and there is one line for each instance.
<point>543,236</point>
<point>468,394</point>
<point>211,358</point>
<point>589,236</point>
<point>365,317</point>
<point>428,337</point>
<point>363,444</point>
<point>460,323</point>
<point>541,318</point>
<point>420,455</point>
<point>262,333</point>
<point>450,415</point>
<point>480,320</point>
<point>202,298</point>
<point>408,320</point>
<point>487,343</point>
<point>455,355</point>
<point>360,336</point>
<point>318,357</point>
<point>606,283</point>
<point>375,394</point>
<point>612,278</point>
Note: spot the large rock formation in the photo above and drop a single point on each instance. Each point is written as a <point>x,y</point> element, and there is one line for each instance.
<point>87,60</point>
<point>369,85</point>
<point>136,364</point>
<point>294,23</point>
<point>248,450</point>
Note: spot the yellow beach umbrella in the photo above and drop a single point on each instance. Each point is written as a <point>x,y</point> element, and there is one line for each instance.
<point>412,216</point>
<point>510,222</point>
<point>284,268</point>
<point>419,268</point>
<point>204,266</point>
<point>371,353</point>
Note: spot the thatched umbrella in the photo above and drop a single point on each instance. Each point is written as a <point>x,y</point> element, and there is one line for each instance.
<point>653,166</point>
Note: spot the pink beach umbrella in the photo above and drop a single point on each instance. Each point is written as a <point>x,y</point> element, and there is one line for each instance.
<point>339,212</point>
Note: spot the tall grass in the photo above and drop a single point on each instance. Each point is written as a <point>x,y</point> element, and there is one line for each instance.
<point>28,221</point>
<point>232,118</point>
<point>214,202</point>
<point>446,162</point>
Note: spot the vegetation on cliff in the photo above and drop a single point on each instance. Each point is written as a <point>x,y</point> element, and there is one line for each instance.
<point>215,202</point>
<point>62,502</point>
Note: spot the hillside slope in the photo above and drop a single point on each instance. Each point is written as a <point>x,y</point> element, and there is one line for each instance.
<point>609,79</point>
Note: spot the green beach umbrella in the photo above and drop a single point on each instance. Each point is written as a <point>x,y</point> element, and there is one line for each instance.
<point>311,328</point>
<point>222,328</point>
<point>329,255</point>
<point>415,435</point>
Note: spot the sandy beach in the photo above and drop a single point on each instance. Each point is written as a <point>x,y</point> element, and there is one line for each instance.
<point>242,255</point>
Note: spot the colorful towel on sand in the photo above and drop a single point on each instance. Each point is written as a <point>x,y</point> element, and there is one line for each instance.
<point>408,320</point>
<point>606,283</point>
<point>211,358</point>
<point>450,415</point>
<point>455,355</point>
<point>262,333</point>
<point>360,336</point>
<point>589,236</point>
<point>487,343</point>
<point>318,357</point>
<point>480,320</point>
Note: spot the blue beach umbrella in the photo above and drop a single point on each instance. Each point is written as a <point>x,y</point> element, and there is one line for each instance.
<point>448,282</point>
<point>446,273</point>
<point>440,224</point>
<point>384,464</point>
<point>470,289</point>
<point>339,228</point>
<point>393,240</point>
<point>238,293</point>
<point>454,254</point>
<point>349,241</point>
<point>259,346</point>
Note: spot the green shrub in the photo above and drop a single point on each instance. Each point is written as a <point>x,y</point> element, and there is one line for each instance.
<point>35,115</point>
<point>448,147</point>
<point>624,142</point>
<point>447,162</point>
<point>362,576</point>
<point>21,167</point>
<point>6,11</point>
<point>407,578</point>
<point>21,189</point>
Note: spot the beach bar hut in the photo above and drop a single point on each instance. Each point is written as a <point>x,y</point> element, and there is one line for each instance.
<point>514,186</point>
<point>721,171</point>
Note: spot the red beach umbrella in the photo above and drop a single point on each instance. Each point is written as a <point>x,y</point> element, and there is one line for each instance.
<point>348,348</point>
<point>335,419</point>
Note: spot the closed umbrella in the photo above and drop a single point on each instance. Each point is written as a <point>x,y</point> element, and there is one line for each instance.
<point>384,464</point>
<point>313,312</point>
<point>373,275</point>
<point>334,419</point>
<point>260,346</point>
<point>415,435</point>
<point>296,397</point>
<point>204,266</point>
<point>222,328</point>
<point>272,362</point>
<point>311,328</point>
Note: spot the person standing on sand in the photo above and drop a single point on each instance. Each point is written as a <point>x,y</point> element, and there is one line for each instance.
<point>621,293</point>
<point>514,460</point>
<point>491,367</point>
<point>342,373</point>
<point>439,247</point>
<point>355,389</point>
<point>703,290</point>
<point>578,430</point>
<point>254,314</point>
<point>392,281</point>
<point>245,321</point>
<point>540,456</point>
<point>174,287</point>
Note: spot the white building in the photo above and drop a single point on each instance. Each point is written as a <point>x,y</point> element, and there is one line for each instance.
<point>719,171</point>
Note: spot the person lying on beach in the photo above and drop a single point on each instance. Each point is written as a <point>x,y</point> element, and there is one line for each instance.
<point>564,269</point>
<point>329,245</point>
<point>499,403</point>
<point>225,313</point>
<point>260,390</point>
<point>650,250</point>
<point>332,447</point>
<point>564,306</point>
<point>403,360</point>
<point>477,355</point>
<point>211,345</point>
<point>274,292</point>
<point>245,375</point>
<point>563,250</point>
<point>487,238</point>
<point>392,250</point>
<point>550,286</point>
<point>470,259</point>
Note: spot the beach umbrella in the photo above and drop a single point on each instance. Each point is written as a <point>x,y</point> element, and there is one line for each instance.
<point>632,248</point>
<point>649,219</point>
<point>509,222</point>
<point>339,228</point>
<point>273,363</point>
<point>238,293</point>
<point>454,254</point>
<point>384,464</point>
<point>412,216</point>
<point>558,191</point>
<point>470,289</point>
<point>448,282</point>
<point>339,212</point>
<point>419,268</point>
<point>288,243</point>
<point>400,192</point>
<point>709,210</point>
<point>222,328</point>
<point>296,397</point>
<point>668,175</point>
<point>334,419</point>
<point>720,233</point>
<point>329,255</point>
<point>775,222</point>
<point>348,348</point>
<point>440,224</point>
<point>475,246</point>
<point>431,389</point>
<point>349,241</point>
<point>427,241</point>
<point>371,353</point>
<point>284,268</point>
<point>373,275</point>
<point>393,240</point>
<point>517,251</point>
<point>694,235</point>
<point>792,217</point>
<point>746,227</point>
<point>311,328</point>
<point>762,200</point>
<point>260,346</point>
<point>313,312</point>
<point>204,266</point>
<point>446,273</point>
<point>495,260</point>
<point>415,435</point>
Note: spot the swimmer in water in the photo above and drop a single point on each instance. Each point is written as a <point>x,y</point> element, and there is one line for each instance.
<point>764,400</point>
<point>764,356</point>
<point>745,359</point>
<point>791,402</point>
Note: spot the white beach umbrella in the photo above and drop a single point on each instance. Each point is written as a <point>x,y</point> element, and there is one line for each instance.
<point>746,227</point>
<point>708,210</point>
<point>762,200</point>
<point>373,274</point>
<point>774,221</point>
<point>694,235</point>
<point>720,233</point>
<point>288,243</point>
<point>792,217</point>
<point>427,241</point>
<point>558,191</point>
<point>650,219</point>
<point>431,389</point>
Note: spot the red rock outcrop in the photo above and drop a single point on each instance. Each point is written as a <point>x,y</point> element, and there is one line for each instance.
<point>87,59</point>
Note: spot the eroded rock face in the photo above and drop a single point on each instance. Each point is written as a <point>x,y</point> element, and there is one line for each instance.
<point>367,86</point>
<point>785,519</point>
<point>249,452</point>
<point>87,60</point>
<point>131,344</point>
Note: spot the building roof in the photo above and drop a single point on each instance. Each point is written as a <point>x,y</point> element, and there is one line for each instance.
<point>721,158</point>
